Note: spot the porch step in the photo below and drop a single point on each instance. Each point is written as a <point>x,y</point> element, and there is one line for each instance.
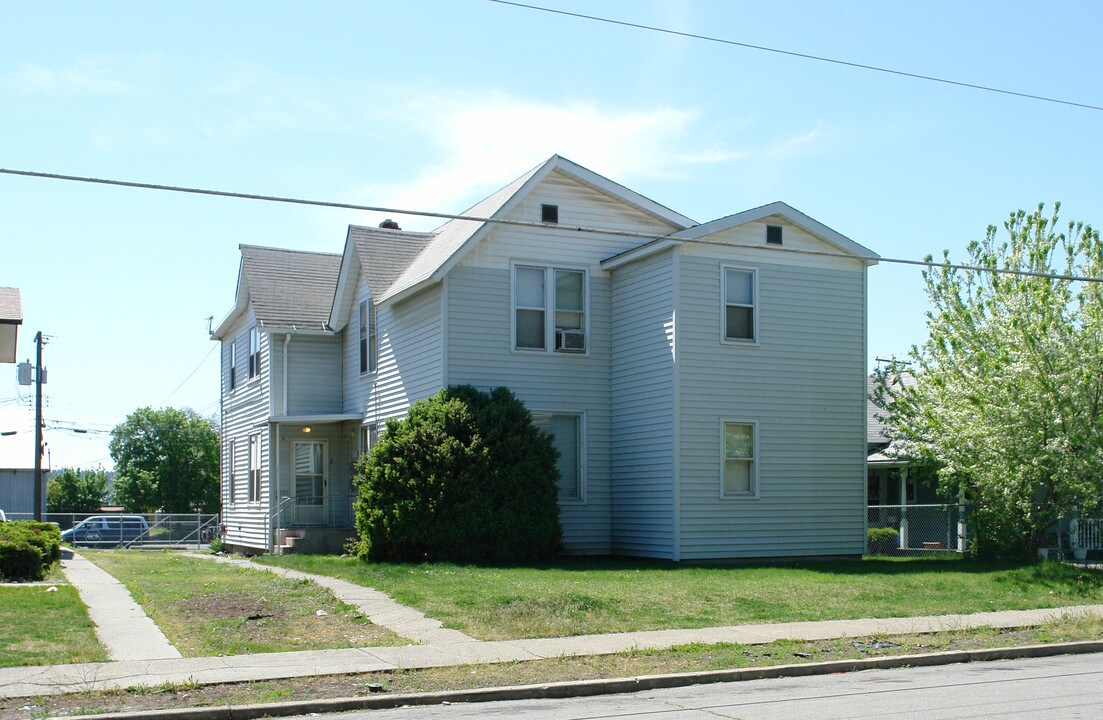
<point>319,540</point>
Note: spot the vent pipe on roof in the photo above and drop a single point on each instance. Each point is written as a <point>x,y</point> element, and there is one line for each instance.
<point>389,224</point>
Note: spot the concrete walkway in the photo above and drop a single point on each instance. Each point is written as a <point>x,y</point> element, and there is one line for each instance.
<point>121,624</point>
<point>376,606</point>
<point>59,679</point>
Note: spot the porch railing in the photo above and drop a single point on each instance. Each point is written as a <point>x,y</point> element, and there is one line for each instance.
<point>1086,534</point>
<point>315,511</point>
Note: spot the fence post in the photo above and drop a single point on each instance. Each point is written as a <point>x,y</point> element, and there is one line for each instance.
<point>961,520</point>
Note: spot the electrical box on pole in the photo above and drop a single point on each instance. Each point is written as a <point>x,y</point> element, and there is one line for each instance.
<point>25,369</point>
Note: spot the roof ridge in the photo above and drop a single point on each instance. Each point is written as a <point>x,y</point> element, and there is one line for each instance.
<point>243,246</point>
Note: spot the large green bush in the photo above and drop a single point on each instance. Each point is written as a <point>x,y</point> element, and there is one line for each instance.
<point>464,477</point>
<point>28,549</point>
<point>882,540</point>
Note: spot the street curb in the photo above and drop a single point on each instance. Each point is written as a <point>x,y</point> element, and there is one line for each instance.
<point>585,688</point>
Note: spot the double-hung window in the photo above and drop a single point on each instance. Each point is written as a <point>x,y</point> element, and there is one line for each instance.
<point>254,468</point>
<point>739,473</point>
<point>232,475</point>
<point>567,434</point>
<point>740,308</point>
<point>549,309</point>
<point>367,337</point>
<point>254,352</point>
<point>233,364</point>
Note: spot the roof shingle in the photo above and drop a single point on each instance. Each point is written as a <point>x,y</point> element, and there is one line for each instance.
<point>290,288</point>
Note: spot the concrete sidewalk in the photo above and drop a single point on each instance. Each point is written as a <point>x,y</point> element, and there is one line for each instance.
<point>59,679</point>
<point>121,624</point>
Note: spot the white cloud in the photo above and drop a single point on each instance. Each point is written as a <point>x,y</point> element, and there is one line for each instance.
<point>93,76</point>
<point>485,140</point>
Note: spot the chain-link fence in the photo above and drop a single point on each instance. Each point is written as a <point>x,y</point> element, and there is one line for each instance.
<point>917,529</point>
<point>190,530</point>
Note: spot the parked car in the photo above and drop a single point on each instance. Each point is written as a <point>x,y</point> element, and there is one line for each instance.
<point>107,530</point>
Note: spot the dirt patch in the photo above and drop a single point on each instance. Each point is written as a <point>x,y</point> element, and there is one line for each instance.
<point>226,607</point>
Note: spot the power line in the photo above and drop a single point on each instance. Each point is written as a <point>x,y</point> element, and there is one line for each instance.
<point>648,237</point>
<point>193,372</point>
<point>805,56</point>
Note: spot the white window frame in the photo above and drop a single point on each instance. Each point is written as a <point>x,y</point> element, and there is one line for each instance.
<point>232,475</point>
<point>369,436</point>
<point>367,343</point>
<point>751,342</point>
<point>254,467</point>
<point>254,352</point>
<point>581,444</point>
<point>755,459</point>
<point>233,365</point>
<point>549,307</point>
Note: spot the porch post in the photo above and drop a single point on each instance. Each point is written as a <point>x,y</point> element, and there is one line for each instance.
<point>904,508</point>
<point>961,520</point>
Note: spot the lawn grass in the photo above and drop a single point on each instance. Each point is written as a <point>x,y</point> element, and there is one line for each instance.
<point>207,608</point>
<point>38,627</point>
<point>586,596</point>
<point>686,658</point>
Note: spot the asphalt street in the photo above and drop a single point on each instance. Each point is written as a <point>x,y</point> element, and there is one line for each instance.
<point>1065,688</point>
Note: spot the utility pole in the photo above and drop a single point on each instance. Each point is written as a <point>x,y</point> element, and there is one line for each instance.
<point>38,427</point>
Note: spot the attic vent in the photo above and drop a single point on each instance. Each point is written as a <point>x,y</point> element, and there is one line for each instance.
<point>389,224</point>
<point>549,213</point>
<point>773,234</point>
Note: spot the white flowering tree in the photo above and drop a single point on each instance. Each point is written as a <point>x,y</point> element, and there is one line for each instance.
<point>1008,398</point>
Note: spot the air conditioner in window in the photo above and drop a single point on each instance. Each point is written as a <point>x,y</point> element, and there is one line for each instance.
<point>570,340</point>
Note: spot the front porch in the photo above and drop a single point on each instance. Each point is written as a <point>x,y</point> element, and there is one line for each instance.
<point>314,456</point>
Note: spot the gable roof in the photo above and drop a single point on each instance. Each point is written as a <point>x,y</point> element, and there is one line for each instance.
<point>414,261</point>
<point>791,214</point>
<point>291,290</point>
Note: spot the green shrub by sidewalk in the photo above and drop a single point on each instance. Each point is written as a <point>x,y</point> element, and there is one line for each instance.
<point>28,549</point>
<point>465,477</point>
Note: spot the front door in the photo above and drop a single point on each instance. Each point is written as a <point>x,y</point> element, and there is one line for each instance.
<point>311,499</point>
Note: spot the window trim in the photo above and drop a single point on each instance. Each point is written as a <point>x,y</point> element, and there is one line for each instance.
<point>367,344</point>
<point>549,270</point>
<point>254,493</point>
<point>254,352</point>
<point>755,459</point>
<point>369,436</point>
<point>232,475</point>
<point>233,365</point>
<point>724,339</point>
<point>582,455</point>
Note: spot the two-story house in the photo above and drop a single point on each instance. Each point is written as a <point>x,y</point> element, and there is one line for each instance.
<point>704,383</point>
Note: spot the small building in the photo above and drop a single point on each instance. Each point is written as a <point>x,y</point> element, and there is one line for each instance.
<point>17,493</point>
<point>11,317</point>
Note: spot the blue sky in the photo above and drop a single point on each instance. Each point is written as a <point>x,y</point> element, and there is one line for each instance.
<point>431,104</point>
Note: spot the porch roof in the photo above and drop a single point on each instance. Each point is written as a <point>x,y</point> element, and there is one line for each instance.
<point>314,419</point>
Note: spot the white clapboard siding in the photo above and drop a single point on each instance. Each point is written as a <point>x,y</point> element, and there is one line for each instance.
<point>480,352</point>
<point>803,384</point>
<point>408,355</point>
<point>643,407</point>
<point>245,410</point>
<point>313,374</point>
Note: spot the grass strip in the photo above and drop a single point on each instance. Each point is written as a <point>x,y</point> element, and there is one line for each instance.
<point>589,596</point>
<point>40,627</point>
<point>686,658</point>
<point>207,608</point>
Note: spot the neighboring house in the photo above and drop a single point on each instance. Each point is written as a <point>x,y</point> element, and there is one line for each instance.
<point>17,493</point>
<point>11,317</point>
<point>704,383</point>
<point>890,480</point>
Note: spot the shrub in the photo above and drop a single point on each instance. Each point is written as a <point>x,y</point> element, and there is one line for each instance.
<point>882,540</point>
<point>28,549</point>
<point>464,477</point>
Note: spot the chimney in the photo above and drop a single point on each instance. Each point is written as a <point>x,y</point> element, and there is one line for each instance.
<point>389,224</point>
